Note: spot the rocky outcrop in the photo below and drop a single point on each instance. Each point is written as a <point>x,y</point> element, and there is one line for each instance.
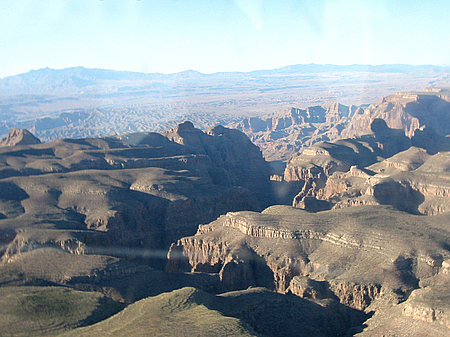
<point>353,295</point>
<point>282,134</point>
<point>321,257</point>
<point>408,111</point>
<point>285,133</point>
<point>397,181</point>
<point>23,243</point>
<point>425,312</point>
<point>19,137</point>
<point>357,296</point>
<point>379,168</point>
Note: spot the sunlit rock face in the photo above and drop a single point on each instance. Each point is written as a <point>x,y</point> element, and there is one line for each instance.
<point>369,258</point>
<point>384,167</point>
<point>19,137</point>
<point>407,111</point>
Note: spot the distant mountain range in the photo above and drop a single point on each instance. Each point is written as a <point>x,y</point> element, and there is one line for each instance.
<point>45,80</point>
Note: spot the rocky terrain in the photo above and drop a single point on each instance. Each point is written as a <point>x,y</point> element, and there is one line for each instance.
<point>408,111</point>
<point>184,231</point>
<point>384,167</point>
<point>368,230</point>
<point>373,259</point>
<point>19,137</point>
<point>139,191</point>
<point>285,133</point>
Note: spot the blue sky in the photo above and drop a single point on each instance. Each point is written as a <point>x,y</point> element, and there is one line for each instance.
<point>219,35</point>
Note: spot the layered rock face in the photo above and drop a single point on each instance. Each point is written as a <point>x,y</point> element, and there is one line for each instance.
<point>367,258</point>
<point>282,134</point>
<point>424,189</point>
<point>384,167</point>
<point>140,190</point>
<point>408,111</point>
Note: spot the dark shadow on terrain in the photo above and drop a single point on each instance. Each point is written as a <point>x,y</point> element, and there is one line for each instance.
<point>407,276</point>
<point>129,282</point>
<point>429,140</point>
<point>250,270</point>
<point>106,308</point>
<point>313,205</point>
<point>35,152</point>
<point>145,138</point>
<point>6,236</point>
<point>284,192</point>
<point>366,150</point>
<point>402,197</point>
<point>445,245</point>
<point>10,191</point>
<point>431,111</point>
<point>277,167</point>
<point>352,152</point>
<point>275,314</point>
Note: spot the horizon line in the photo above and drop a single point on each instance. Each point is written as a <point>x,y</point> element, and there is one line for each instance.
<point>231,71</point>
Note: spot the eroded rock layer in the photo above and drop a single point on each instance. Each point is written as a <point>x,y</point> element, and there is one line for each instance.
<point>384,167</point>
<point>367,258</point>
<point>285,133</point>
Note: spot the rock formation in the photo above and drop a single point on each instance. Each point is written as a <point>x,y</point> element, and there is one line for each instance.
<point>379,168</point>
<point>282,134</point>
<point>19,137</point>
<point>408,111</point>
<point>370,258</point>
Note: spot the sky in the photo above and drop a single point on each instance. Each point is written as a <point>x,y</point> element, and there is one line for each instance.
<point>219,35</point>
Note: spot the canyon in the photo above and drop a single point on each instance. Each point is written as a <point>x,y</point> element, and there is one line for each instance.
<point>154,232</point>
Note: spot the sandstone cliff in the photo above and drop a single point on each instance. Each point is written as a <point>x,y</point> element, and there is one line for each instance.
<point>284,133</point>
<point>408,111</point>
<point>367,258</point>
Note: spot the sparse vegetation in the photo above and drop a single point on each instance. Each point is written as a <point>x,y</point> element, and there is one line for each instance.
<point>42,311</point>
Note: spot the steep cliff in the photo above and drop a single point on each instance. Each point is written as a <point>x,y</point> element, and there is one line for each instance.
<point>379,168</point>
<point>282,134</point>
<point>293,242</point>
<point>366,258</point>
<point>408,111</point>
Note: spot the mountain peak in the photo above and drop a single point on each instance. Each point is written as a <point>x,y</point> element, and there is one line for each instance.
<point>19,137</point>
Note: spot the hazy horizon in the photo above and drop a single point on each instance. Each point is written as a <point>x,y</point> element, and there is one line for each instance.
<point>223,36</point>
<point>230,71</point>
